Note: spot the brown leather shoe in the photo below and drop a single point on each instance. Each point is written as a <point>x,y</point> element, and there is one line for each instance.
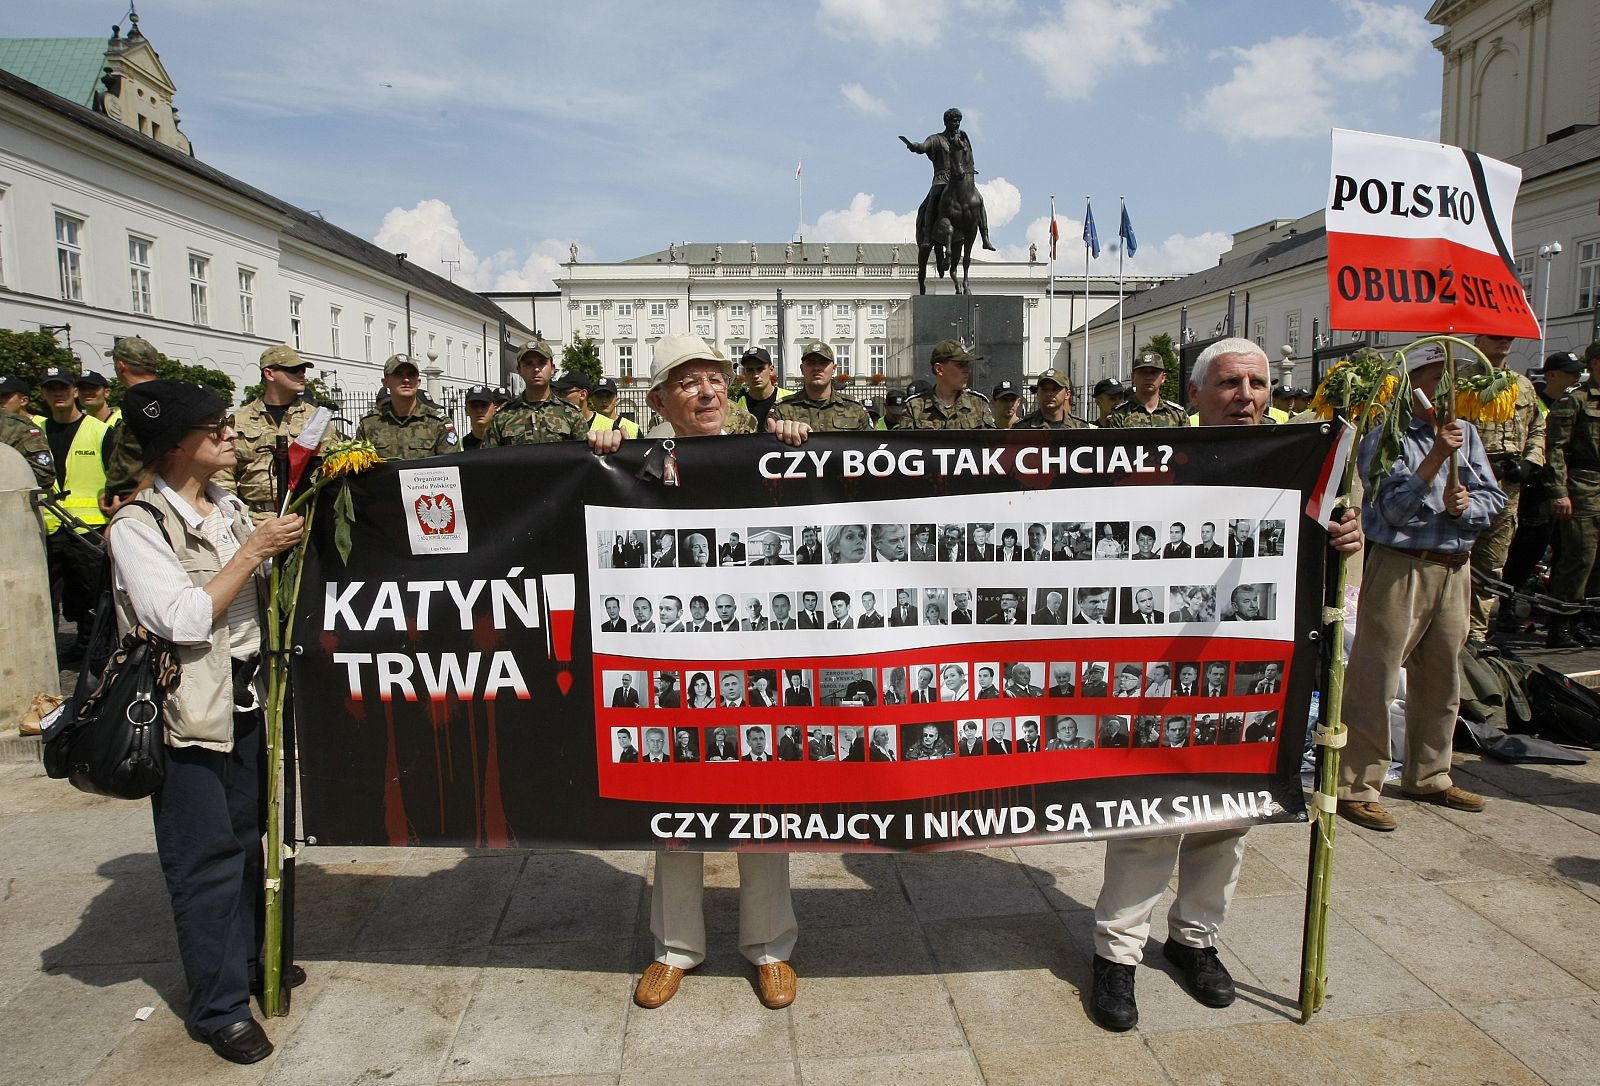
<point>659,984</point>
<point>775,984</point>
<point>1457,799</point>
<point>1367,814</point>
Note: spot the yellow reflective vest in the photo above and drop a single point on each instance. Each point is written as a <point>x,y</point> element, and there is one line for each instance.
<point>606,422</point>
<point>85,475</point>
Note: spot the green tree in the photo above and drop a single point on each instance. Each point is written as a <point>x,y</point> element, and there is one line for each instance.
<point>28,354</point>
<point>582,355</point>
<point>1163,346</point>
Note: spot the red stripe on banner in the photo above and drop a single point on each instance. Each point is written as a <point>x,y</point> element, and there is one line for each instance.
<point>1384,284</point>
<point>834,781</point>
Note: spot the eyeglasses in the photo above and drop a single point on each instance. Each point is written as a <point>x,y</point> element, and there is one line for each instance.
<point>691,386</point>
<point>214,429</point>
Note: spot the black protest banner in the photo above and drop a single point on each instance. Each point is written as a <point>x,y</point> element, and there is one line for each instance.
<point>898,641</point>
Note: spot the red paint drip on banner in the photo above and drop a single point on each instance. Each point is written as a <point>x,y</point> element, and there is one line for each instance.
<point>496,827</point>
<point>395,822</point>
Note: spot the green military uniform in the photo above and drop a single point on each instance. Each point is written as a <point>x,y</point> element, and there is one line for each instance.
<point>1572,441</point>
<point>20,432</point>
<point>1506,444</point>
<point>738,420</point>
<point>838,412</point>
<point>424,432</point>
<point>1130,413</point>
<point>522,423</point>
<point>971,411</point>
<point>1035,420</point>
<point>257,435</point>
<point>124,461</point>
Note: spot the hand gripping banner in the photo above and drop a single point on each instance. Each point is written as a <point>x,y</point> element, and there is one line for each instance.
<point>1419,239</point>
<point>886,641</point>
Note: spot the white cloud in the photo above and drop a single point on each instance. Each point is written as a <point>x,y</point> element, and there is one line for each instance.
<point>884,22</point>
<point>1178,254</point>
<point>1289,87</point>
<point>863,100</point>
<point>1086,39</point>
<point>429,234</point>
<point>1001,199</point>
<point>862,222</point>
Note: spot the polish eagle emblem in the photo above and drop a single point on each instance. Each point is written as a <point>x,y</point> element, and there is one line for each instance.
<point>436,514</point>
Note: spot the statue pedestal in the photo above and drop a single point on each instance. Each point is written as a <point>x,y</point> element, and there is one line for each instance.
<point>990,324</point>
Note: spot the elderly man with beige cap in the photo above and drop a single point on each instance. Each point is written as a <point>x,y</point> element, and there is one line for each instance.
<point>689,390</point>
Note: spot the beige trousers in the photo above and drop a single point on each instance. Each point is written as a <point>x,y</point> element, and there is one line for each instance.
<point>767,927</point>
<point>1413,614</point>
<point>1138,870</point>
<point>1489,552</point>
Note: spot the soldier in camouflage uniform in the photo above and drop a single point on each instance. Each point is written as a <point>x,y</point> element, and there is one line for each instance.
<point>1144,405</point>
<point>135,361</point>
<point>1515,449</point>
<point>1572,480</point>
<point>950,405</point>
<point>19,431</point>
<point>818,404</point>
<point>403,427</point>
<point>538,415</point>
<point>282,410</point>
<point>1055,405</point>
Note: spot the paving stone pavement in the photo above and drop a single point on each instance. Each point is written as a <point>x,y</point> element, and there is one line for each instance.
<point>1465,949</point>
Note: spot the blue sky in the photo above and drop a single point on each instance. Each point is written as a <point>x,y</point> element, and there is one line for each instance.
<point>502,131</point>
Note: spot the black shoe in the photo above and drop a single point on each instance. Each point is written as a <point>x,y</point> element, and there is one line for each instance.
<point>1203,973</point>
<point>1559,635</point>
<point>240,1042</point>
<point>293,977</point>
<point>1111,1001</point>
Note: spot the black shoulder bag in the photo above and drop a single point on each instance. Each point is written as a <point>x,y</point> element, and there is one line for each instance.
<point>110,737</point>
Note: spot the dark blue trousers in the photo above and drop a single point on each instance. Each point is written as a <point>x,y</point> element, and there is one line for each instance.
<point>210,816</point>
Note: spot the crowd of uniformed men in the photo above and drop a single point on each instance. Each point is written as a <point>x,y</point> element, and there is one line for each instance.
<point>1526,485</point>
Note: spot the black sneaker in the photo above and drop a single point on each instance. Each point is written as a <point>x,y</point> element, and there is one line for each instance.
<point>1203,973</point>
<point>1111,1001</point>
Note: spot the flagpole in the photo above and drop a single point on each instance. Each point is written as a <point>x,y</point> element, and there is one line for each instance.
<point>1122,244</point>
<point>1090,213</point>
<point>800,176</point>
<point>1050,294</point>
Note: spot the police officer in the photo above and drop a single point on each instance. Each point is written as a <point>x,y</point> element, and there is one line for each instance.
<point>94,397</point>
<point>1572,481</point>
<point>18,430</point>
<point>538,415</point>
<point>760,392</point>
<point>819,404</point>
<point>1144,405</point>
<point>1054,412</point>
<point>575,388</point>
<point>950,404</point>
<point>76,441</point>
<point>403,426</point>
<point>1515,449</point>
<point>1004,399</point>
<point>481,403</point>
<point>282,410</point>
<point>602,402</point>
<point>1108,393</point>
<point>894,410</point>
<point>135,361</point>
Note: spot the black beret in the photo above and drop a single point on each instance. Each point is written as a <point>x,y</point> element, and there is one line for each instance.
<point>161,413</point>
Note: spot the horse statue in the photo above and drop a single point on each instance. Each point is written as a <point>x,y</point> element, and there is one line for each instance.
<point>949,236</point>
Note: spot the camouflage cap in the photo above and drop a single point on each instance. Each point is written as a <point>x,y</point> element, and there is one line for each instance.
<point>1054,376</point>
<point>948,350</point>
<point>1005,388</point>
<point>395,361</point>
<point>55,375</point>
<point>537,347</point>
<point>135,352</point>
<point>818,348</point>
<point>92,379</point>
<point>1149,361</point>
<point>282,357</point>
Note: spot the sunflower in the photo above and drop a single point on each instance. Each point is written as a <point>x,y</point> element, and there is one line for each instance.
<point>349,458</point>
<point>1354,383</point>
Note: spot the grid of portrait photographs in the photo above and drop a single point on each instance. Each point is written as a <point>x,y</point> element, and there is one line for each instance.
<point>1203,689</point>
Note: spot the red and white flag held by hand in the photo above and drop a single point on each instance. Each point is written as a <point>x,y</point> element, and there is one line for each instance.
<point>304,447</point>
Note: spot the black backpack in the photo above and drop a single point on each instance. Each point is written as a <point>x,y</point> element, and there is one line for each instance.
<point>1563,711</point>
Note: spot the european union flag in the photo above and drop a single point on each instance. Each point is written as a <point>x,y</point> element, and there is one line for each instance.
<point>1091,236</point>
<point>1130,244</point>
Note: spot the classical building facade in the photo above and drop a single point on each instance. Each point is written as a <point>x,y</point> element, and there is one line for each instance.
<point>108,231</point>
<point>846,294</point>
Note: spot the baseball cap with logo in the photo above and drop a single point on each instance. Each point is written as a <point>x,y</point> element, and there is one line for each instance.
<point>479,394</point>
<point>11,386</point>
<point>894,400</point>
<point>1283,392</point>
<point>818,348</point>
<point>570,380</point>
<point>1592,351</point>
<point>1149,361</point>
<point>282,357</point>
<point>919,387</point>
<point>92,379</point>
<point>1054,376</point>
<point>1005,388</point>
<point>754,358</point>
<point>55,375</point>
<point>135,352</point>
<point>1563,362</point>
<point>1108,386</point>
<point>395,361</point>
<point>605,386</point>
<point>948,350</point>
<point>537,347</point>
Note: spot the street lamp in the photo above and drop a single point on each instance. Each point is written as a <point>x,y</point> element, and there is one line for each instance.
<point>1548,254</point>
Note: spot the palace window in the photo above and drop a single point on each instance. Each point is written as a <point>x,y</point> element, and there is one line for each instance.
<point>392,327</point>
<point>844,309</point>
<point>625,360</point>
<point>841,356</point>
<point>139,275</point>
<point>294,320</point>
<point>334,313</point>
<point>702,311</point>
<point>736,311</point>
<point>877,356</point>
<point>247,301</point>
<point>877,309</point>
<point>591,310</point>
<point>808,309</point>
<point>624,309</point>
<point>1588,273</point>
<point>658,309</point>
<point>69,257</point>
<point>366,338</point>
<point>199,289</point>
<point>1291,330</point>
